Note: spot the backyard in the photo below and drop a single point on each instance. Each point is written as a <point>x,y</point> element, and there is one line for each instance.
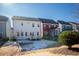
<point>12,50</point>
<point>66,45</point>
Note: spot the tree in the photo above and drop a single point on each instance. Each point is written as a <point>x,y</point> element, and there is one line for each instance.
<point>69,38</point>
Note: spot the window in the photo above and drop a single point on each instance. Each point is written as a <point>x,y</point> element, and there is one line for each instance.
<point>54,25</point>
<point>55,32</point>
<point>37,33</point>
<point>68,27</point>
<point>38,25</point>
<point>21,24</point>
<point>21,33</point>
<point>32,25</point>
<point>25,33</point>
<point>32,33</point>
<point>44,26</point>
<point>64,27</point>
<point>17,33</point>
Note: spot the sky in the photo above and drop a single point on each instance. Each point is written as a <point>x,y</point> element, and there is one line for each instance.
<point>55,11</point>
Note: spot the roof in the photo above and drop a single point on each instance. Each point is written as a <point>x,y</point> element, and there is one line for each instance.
<point>24,18</point>
<point>3,18</point>
<point>63,22</point>
<point>75,23</point>
<point>34,19</point>
<point>47,21</point>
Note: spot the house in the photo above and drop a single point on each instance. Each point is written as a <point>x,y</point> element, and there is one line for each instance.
<point>49,27</point>
<point>33,28</point>
<point>64,26</point>
<point>75,26</point>
<point>27,27</point>
<point>4,27</point>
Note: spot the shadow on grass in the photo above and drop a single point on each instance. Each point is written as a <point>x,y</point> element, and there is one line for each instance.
<point>75,49</point>
<point>65,51</point>
<point>2,43</point>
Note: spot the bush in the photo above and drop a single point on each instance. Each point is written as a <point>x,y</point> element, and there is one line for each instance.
<point>12,39</point>
<point>4,39</point>
<point>46,37</point>
<point>69,38</point>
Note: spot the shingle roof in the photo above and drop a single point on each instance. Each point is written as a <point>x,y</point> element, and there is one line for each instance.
<point>3,18</point>
<point>63,22</point>
<point>24,18</point>
<point>47,21</point>
<point>75,23</point>
<point>34,19</point>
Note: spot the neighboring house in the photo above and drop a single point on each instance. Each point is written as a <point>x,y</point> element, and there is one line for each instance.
<point>49,27</point>
<point>4,27</point>
<point>26,27</point>
<point>64,26</point>
<point>75,26</point>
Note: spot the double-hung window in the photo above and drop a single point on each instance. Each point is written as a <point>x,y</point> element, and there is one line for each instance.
<point>17,33</point>
<point>21,33</point>
<point>25,33</point>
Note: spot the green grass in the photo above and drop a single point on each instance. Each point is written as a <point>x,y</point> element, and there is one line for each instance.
<point>46,37</point>
<point>12,39</point>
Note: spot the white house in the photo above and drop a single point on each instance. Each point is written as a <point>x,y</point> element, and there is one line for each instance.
<point>75,26</point>
<point>26,27</point>
<point>64,26</point>
<point>4,27</point>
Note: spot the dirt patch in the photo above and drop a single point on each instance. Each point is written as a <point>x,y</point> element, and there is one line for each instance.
<point>65,51</point>
<point>9,51</point>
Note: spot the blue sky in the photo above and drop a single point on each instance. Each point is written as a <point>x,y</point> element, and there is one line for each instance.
<point>51,11</point>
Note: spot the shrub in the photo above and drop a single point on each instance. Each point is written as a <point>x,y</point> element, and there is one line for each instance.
<point>4,39</point>
<point>46,37</point>
<point>12,39</point>
<point>69,38</point>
